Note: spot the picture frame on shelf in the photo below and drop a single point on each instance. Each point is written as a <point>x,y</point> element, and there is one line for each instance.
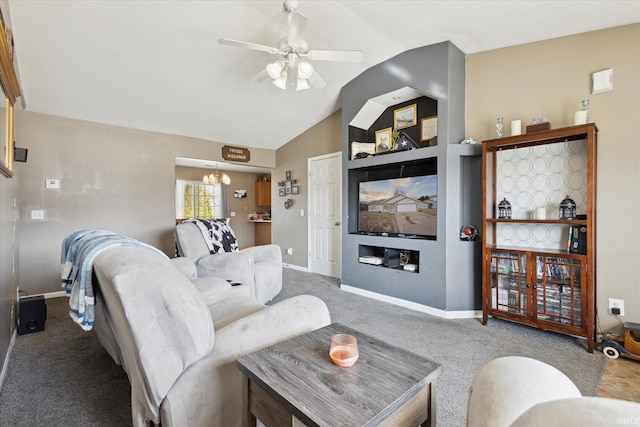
<point>405,117</point>
<point>295,190</point>
<point>428,128</point>
<point>287,176</point>
<point>383,140</point>
<point>281,191</point>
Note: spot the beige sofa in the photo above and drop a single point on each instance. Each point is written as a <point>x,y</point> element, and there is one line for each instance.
<point>178,340</point>
<point>523,392</point>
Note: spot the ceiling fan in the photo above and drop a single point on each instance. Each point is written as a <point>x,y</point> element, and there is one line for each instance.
<point>293,69</point>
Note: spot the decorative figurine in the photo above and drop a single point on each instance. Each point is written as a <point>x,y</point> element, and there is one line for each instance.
<point>499,127</point>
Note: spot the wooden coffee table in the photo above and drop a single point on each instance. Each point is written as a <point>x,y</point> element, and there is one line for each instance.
<point>294,383</point>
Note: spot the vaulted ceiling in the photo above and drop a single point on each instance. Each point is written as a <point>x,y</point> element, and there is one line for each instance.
<point>157,65</point>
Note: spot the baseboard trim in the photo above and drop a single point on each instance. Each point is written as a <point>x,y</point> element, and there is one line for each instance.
<point>296,267</point>
<point>5,365</point>
<point>462,314</point>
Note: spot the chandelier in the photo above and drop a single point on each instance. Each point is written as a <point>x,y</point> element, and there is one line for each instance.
<point>216,178</point>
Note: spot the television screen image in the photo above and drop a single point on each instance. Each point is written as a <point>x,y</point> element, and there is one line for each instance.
<point>399,206</point>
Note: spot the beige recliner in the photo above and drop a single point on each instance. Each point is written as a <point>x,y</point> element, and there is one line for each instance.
<point>516,391</point>
<point>260,266</point>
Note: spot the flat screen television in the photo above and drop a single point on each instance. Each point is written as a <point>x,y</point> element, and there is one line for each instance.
<point>399,207</point>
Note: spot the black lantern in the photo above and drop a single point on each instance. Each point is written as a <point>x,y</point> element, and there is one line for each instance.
<point>568,209</point>
<point>504,209</point>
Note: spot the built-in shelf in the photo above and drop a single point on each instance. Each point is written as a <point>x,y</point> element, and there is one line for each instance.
<point>390,257</point>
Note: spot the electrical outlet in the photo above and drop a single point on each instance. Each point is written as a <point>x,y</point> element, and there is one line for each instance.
<point>617,304</point>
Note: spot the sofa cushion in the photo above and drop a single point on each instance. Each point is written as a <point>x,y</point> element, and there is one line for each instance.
<point>581,412</point>
<point>214,289</point>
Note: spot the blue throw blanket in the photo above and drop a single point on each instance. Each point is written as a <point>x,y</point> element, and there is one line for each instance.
<point>79,249</point>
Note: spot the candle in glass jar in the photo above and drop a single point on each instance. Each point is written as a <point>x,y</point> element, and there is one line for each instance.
<point>344,350</point>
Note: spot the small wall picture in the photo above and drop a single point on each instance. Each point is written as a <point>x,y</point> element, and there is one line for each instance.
<point>287,187</point>
<point>383,140</point>
<point>281,192</point>
<point>428,128</point>
<point>405,117</point>
<point>287,176</point>
<point>295,190</point>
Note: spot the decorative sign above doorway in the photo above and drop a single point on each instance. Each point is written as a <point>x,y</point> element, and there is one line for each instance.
<point>236,154</point>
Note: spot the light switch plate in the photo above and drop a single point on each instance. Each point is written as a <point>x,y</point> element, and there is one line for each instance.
<point>602,81</point>
<point>52,184</point>
<point>37,214</point>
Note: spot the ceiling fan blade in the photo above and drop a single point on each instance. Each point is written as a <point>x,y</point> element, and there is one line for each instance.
<point>335,55</point>
<point>317,81</point>
<point>297,24</point>
<point>253,46</point>
<point>260,76</point>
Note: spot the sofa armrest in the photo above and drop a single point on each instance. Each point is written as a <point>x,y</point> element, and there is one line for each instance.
<point>506,387</point>
<point>185,266</point>
<point>286,319</point>
<point>210,391</point>
<point>265,251</point>
<point>235,266</point>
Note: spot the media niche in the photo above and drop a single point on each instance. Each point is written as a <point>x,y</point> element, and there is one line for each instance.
<point>399,200</point>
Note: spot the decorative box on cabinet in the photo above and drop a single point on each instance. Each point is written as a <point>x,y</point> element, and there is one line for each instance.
<point>529,274</point>
<point>263,194</point>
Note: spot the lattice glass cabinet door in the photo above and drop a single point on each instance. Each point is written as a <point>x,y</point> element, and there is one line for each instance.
<point>509,282</point>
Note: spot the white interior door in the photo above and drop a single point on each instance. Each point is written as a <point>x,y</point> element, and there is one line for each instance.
<point>325,214</point>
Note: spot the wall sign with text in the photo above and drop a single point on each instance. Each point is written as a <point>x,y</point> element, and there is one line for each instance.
<point>236,154</point>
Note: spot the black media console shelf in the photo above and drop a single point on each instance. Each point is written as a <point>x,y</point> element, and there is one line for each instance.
<point>398,259</point>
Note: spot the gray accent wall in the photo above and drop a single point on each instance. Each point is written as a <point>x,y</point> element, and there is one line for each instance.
<point>448,277</point>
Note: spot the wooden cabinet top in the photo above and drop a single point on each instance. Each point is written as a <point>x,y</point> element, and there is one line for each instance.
<point>570,133</point>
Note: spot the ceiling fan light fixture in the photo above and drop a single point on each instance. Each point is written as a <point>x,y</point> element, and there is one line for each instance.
<point>275,69</point>
<point>293,50</point>
<point>305,70</point>
<point>302,84</point>
<point>281,81</point>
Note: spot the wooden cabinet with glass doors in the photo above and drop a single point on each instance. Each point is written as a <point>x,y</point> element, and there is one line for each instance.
<point>530,273</point>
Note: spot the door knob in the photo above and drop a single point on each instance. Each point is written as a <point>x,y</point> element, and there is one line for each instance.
<point>337,223</point>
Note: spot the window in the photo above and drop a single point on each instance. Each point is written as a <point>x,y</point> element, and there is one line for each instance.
<point>197,200</point>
